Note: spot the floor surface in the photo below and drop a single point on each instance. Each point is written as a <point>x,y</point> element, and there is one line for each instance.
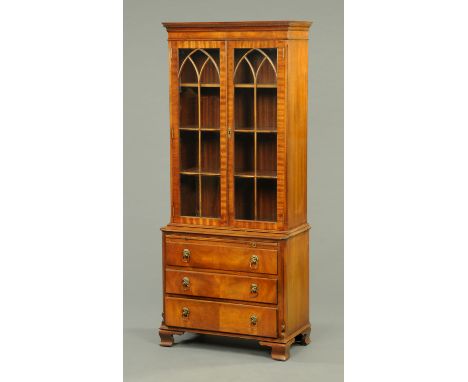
<point>205,358</point>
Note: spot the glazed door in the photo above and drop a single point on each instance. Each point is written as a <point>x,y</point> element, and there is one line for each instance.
<point>256,131</point>
<point>198,132</point>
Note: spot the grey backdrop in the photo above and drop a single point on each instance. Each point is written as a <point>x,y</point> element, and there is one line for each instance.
<point>146,197</point>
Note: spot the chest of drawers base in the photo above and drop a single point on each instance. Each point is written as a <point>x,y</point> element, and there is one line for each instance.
<point>250,287</point>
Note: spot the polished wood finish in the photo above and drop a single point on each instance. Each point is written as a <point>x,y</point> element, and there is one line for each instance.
<point>227,255</point>
<point>167,336</point>
<point>236,233</point>
<point>236,252</point>
<point>221,316</point>
<point>245,30</point>
<point>279,351</point>
<point>304,337</point>
<point>237,335</point>
<point>216,26</point>
<point>216,285</point>
<point>296,282</point>
<point>296,133</point>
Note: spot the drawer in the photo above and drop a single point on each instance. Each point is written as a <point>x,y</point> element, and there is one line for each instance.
<point>217,285</point>
<point>221,316</point>
<point>231,256</point>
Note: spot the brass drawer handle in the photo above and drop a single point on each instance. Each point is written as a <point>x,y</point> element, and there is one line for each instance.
<point>185,312</point>
<point>186,255</point>
<point>254,288</point>
<point>253,261</point>
<point>253,320</point>
<point>185,282</point>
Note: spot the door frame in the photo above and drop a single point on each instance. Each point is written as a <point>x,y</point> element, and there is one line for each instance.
<point>281,79</point>
<point>176,217</point>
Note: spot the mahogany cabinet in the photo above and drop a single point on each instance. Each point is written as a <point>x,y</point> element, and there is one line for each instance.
<point>236,251</point>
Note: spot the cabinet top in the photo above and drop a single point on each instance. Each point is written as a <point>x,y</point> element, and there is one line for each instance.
<point>237,30</point>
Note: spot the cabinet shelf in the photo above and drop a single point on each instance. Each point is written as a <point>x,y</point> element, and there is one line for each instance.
<point>195,128</point>
<point>195,171</point>
<point>265,131</point>
<point>195,85</point>
<point>271,131</point>
<point>261,86</point>
<point>265,174</point>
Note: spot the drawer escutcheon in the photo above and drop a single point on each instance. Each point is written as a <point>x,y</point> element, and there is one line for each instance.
<point>254,288</point>
<point>185,282</point>
<point>253,320</point>
<point>186,255</point>
<point>253,261</point>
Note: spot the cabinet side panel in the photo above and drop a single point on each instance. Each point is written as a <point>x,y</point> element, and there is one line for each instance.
<point>296,282</point>
<point>296,136</point>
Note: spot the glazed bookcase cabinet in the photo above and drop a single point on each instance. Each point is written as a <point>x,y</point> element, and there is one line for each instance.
<point>236,252</point>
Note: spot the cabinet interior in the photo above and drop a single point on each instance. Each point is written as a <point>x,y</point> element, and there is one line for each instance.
<point>254,132</point>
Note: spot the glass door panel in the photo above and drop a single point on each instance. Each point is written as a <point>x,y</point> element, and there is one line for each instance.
<point>266,109</point>
<point>189,188</point>
<point>188,151</point>
<point>255,134</point>
<point>211,196</point>
<point>188,117</point>
<point>210,153</point>
<point>209,108</point>
<point>244,106</point>
<point>199,132</point>
<point>244,159</point>
<point>244,199</point>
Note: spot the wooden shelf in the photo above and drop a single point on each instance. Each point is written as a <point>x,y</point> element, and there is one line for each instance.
<point>261,86</point>
<point>202,129</point>
<point>267,131</point>
<point>195,171</point>
<point>244,130</point>
<point>195,85</point>
<point>260,174</point>
<point>266,86</point>
<point>189,171</point>
<point>256,131</point>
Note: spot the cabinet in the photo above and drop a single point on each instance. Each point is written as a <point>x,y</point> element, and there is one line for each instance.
<point>235,253</point>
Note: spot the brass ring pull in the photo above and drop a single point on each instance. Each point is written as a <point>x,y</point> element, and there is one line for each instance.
<point>185,312</point>
<point>186,255</point>
<point>254,288</point>
<point>253,320</point>
<point>253,261</point>
<point>185,282</point>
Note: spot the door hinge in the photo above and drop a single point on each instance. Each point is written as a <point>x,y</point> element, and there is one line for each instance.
<point>172,210</point>
<point>229,133</point>
<point>283,52</point>
<point>172,133</point>
<point>170,52</point>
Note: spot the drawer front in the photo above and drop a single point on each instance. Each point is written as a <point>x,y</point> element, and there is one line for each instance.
<point>221,255</point>
<point>221,317</point>
<point>217,285</point>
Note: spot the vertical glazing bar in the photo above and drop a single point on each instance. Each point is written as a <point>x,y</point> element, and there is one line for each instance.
<point>226,121</point>
<point>255,146</point>
<point>200,211</point>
